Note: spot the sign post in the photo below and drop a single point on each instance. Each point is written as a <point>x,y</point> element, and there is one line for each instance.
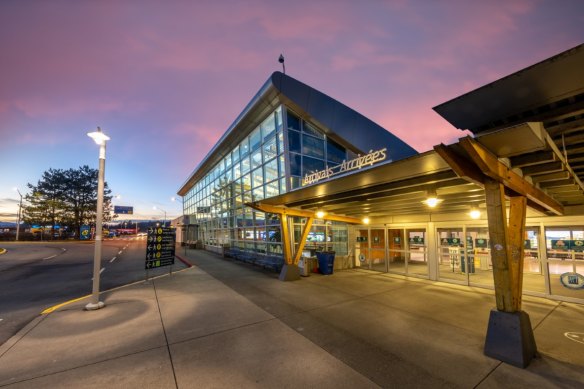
<point>160,248</point>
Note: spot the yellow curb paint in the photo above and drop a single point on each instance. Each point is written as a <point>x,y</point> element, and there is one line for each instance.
<point>55,307</point>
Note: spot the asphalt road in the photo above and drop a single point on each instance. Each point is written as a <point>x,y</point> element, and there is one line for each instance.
<point>36,276</point>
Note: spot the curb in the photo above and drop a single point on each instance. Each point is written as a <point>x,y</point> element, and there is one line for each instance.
<point>184,260</point>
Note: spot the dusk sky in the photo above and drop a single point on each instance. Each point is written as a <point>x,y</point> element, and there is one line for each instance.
<point>165,79</point>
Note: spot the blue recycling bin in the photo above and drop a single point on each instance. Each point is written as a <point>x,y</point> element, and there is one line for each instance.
<point>326,261</point>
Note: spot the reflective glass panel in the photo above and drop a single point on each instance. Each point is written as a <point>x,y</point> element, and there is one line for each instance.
<point>312,146</point>
<point>293,121</point>
<point>255,139</point>
<point>271,170</point>
<point>312,165</point>
<point>257,177</point>
<point>270,150</point>
<point>295,164</point>
<point>256,158</point>
<point>294,141</point>
<point>268,126</point>
<point>335,152</point>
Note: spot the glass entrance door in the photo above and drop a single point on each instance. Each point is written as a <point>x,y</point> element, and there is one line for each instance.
<point>362,249</point>
<point>397,250</point>
<point>565,260</point>
<point>452,264</point>
<point>377,249</point>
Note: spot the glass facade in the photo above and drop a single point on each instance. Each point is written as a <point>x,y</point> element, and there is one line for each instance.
<point>261,166</point>
<point>310,150</point>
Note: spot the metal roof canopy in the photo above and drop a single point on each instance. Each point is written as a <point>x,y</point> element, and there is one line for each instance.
<point>551,93</point>
<point>343,124</point>
<point>396,188</point>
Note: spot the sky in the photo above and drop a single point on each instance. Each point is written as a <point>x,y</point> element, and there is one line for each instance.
<point>165,79</point>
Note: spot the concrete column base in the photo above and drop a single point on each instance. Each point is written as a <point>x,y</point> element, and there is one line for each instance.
<point>289,273</point>
<point>510,338</point>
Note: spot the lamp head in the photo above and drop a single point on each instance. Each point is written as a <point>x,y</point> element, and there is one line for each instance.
<point>98,136</point>
<point>281,58</point>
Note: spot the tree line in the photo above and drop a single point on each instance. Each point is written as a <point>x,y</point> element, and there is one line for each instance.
<point>65,198</point>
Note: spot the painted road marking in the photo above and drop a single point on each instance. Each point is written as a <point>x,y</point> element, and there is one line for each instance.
<point>63,248</point>
<point>101,271</point>
<point>119,252</point>
<point>52,256</point>
<point>113,259</point>
<point>575,336</point>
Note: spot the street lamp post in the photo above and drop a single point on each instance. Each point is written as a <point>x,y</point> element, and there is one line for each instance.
<point>100,139</point>
<point>162,210</point>
<point>18,215</point>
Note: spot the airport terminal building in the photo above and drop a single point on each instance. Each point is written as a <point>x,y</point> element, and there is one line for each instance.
<point>299,172</point>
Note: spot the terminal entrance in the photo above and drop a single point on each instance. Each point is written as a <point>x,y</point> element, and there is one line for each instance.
<point>393,250</point>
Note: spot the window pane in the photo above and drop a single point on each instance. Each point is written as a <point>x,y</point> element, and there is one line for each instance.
<point>255,139</point>
<point>294,141</point>
<point>268,126</point>
<point>272,189</point>
<point>244,148</point>
<point>257,177</point>
<point>258,193</point>
<point>280,142</point>
<point>236,171</point>
<point>312,131</point>
<point>312,146</point>
<point>312,165</point>
<point>235,154</point>
<point>245,165</point>
<point>295,164</point>
<point>247,182</point>
<point>293,121</point>
<point>278,118</point>
<point>335,152</point>
<point>256,158</point>
<point>271,170</point>
<point>270,149</point>
<point>282,163</point>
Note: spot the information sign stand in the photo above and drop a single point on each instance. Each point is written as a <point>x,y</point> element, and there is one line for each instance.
<point>160,246</point>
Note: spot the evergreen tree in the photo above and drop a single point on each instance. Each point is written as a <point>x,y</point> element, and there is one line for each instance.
<point>66,197</point>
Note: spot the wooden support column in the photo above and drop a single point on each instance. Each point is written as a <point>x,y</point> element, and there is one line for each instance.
<point>497,219</point>
<point>509,334</point>
<point>302,242</point>
<point>286,239</point>
<point>515,247</point>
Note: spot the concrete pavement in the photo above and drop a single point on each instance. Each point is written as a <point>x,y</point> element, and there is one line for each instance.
<point>225,324</point>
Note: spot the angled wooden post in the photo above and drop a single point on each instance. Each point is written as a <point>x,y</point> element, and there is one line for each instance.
<point>497,220</point>
<point>516,247</point>
<point>286,239</point>
<point>302,242</point>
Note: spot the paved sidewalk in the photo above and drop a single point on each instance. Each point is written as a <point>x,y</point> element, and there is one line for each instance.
<point>223,324</point>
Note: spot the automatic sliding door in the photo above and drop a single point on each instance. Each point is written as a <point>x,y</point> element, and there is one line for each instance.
<point>377,252</point>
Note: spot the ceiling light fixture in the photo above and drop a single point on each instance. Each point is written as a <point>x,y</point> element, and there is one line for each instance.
<point>432,200</point>
<point>475,213</point>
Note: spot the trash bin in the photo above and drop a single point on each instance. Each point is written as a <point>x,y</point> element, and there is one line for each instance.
<point>303,266</point>
<point>326,261</point>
